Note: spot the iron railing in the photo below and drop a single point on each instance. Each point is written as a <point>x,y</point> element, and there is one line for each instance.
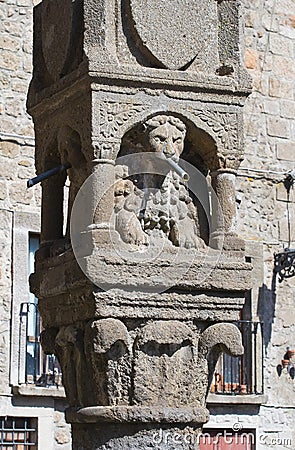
<point>18,433</point>
<point>244,374</point>
<point>40,369</point>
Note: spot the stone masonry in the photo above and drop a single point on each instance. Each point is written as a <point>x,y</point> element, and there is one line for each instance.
<point>113,102</point>
<point>19,215</point>
<point>262,214</point>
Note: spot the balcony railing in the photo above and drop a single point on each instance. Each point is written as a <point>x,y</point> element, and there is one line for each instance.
<point>244,374</point>
<point>40,369</point>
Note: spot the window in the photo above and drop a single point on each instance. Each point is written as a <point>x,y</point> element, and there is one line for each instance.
<point>244,374</point>
<point>227,440</point>
<point>40,369</point>
<point>18,433</point>
<point>32,320</point>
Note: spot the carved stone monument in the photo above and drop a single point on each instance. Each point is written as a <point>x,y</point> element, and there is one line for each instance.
<point>140,271</point>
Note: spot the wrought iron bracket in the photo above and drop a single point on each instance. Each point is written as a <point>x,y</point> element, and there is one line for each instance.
<point>285,264</point>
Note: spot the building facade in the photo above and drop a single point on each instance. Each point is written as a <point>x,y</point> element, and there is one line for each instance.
<point>251,398</point>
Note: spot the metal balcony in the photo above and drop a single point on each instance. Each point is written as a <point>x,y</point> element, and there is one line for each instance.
<point>242,375</point>
<point>40,369</point>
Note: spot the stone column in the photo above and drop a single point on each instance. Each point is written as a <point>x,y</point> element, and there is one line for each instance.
<point>224,217</point>
<point>102,188</point>
<point>143,387</point>
<point>135,377</point>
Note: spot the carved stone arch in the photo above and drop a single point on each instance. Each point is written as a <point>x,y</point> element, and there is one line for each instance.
<point>49,157</point>
<point>201,143</point>
<point>212,134</point>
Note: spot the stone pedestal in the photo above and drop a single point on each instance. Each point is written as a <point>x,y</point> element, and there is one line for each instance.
<point>138,295</point>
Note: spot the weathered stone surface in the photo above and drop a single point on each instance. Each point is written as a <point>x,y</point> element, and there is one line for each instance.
<point>258,215</point>
<point>185,24</point>
<point>131,276</point>
<point>56,34</point>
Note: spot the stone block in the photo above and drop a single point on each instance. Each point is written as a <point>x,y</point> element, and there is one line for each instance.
<point>3,190</point>
<point>287,26</point>
<point>7,169</point>
<point>278,127</point>
<point>9,60</point>
<point>27,63</point>
<point>251,59</point>
<point>283,228</point>
<point>271,107</point>
<point>249,18</point>
<point>286,151</point>
<point>13,28</point>
<point>9,149</point>
<point>62,436</point>
<point>254,124</point>
<point>280,88</point>
<point>4,81</point>
<point>288,317</point>
<point>280,45</point>
<point>288,109</point>
<point>25,3</point>
<point>284,7</point>
<point>260,83</point>
<point>24,173</point>
<point>270,22</point>
<point>19,193</point>
<point>9,43</point>
<point>14,107</point>
<point>19,86</point>
<point>284,67</point>
<point>281,193</point>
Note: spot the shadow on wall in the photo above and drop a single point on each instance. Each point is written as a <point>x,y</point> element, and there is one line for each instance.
<point>266,309</point>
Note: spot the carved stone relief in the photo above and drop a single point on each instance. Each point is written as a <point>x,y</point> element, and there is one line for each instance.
<point>224,127</point>
<point>107,346</point>
<point>152,205</point>
<point>160,363</point>
<point>121,78</point>
<point>166,365</point>
<point>113,115</point>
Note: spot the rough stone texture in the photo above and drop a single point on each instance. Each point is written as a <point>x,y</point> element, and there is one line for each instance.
<point>16,166</point>
<point>114,89</point>
<point>187,28</point>
<point>260,213</point>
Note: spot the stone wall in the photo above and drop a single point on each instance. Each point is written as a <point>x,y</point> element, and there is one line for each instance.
<point>16,155</point>
<point>269,129</point>
<point>269,146</point>
<point>16,166</point>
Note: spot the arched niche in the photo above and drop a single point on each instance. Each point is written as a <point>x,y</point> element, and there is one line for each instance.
<point>200,146</point>
<point>200,150</point>
<point>70,150</point>
<point>63,145</point>
<point>52,216</point>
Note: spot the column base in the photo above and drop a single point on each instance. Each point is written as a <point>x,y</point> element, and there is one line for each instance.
<point>229,243</point>
<point>136,428</point>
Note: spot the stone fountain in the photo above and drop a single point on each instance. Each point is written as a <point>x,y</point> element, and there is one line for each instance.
<point>140,272</point>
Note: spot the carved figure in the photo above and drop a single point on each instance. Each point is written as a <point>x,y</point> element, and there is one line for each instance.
<point>165,366</point>
<point>157,205</point>
<point>108,348</point>
<point>127,201</point>
<point>70,352</point>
